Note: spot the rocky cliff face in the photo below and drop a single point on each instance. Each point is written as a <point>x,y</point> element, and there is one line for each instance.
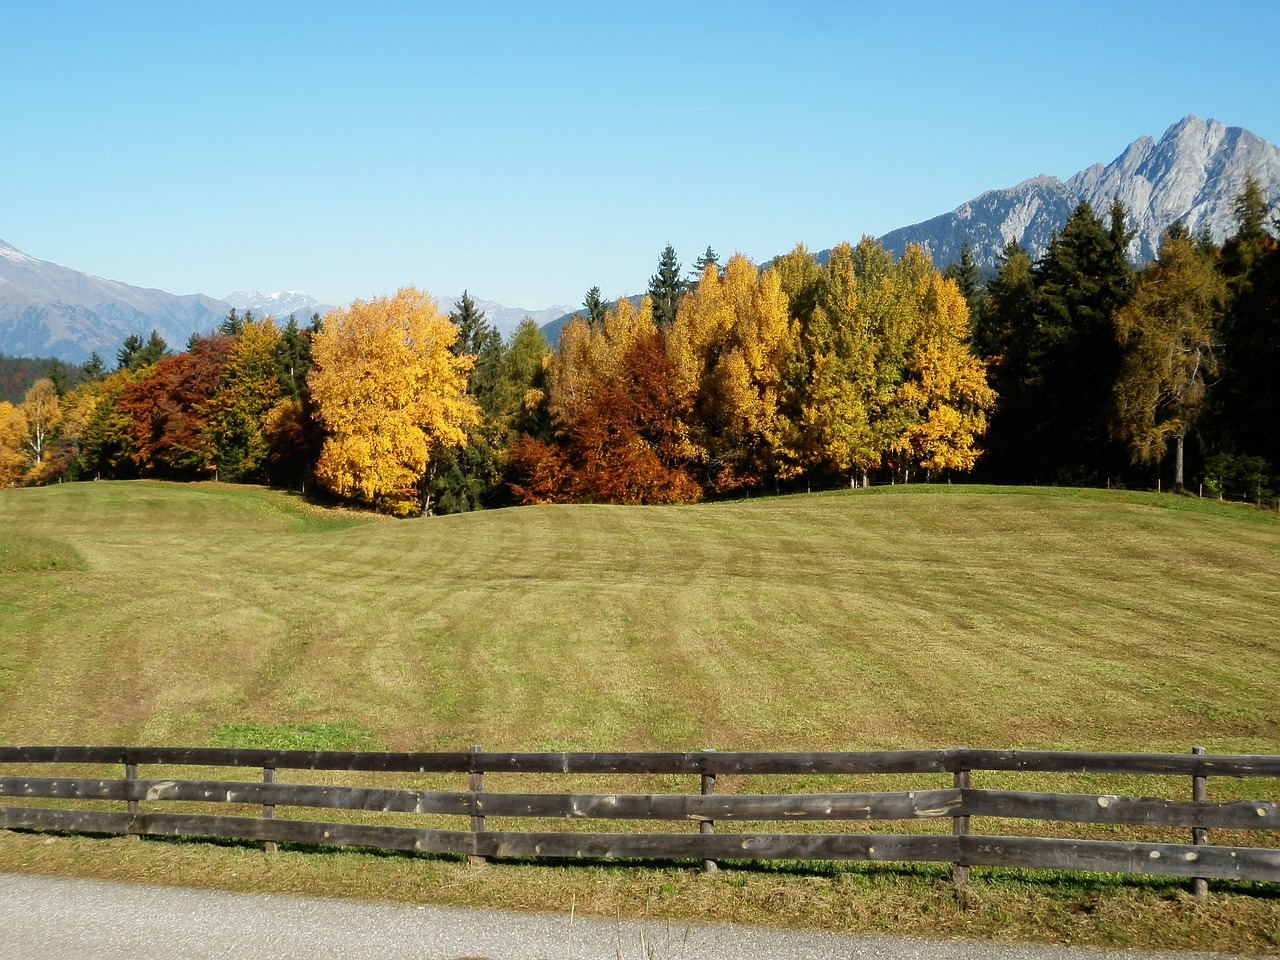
<point>1193,174</point>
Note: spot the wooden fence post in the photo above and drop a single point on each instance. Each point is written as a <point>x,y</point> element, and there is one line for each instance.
<point>269,809</point>
<point>1199,835</point>
<point>475,783</point>
<point>707,827</point>
<point>960,827</point>
<point>131,773</point>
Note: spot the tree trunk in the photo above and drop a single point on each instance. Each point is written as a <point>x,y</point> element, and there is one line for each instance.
<point>1177,462</point>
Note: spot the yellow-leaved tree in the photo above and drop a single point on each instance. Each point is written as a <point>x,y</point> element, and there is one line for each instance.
<point>13,437</point>
<point>945,385</point>
<point>730,344</point>
<point>590,354</point>
<point>387,389</point>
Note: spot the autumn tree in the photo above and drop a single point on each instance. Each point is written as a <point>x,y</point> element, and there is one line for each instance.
<point>945,387</point>
<point>1169,334</point>
<point>40,409</point>
<point>627,443</point>
<point>168,411</point>
<point>66,450</point>
<point>13,439</point>
<point>107,439</point>
<point>387,388</point>
<point>248,388</point>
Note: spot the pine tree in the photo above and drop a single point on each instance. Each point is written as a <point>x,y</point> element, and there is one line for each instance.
<point>967,277</point>
<point>1074,358</point>
<point>595,307</point>
<point>709,258</point>
<point>126,356</point>
<point>666,288</point>
<point>473,328</point>
<point>1245,427</point>
<point>94,368</point>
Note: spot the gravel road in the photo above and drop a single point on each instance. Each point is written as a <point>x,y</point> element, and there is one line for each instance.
<point>51,919</point>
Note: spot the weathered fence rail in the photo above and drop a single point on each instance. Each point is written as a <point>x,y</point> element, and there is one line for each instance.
<point>1199,859</point>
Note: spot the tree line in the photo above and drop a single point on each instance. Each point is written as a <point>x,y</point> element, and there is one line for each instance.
<point>1111,375</point>
<point>1073,369</point>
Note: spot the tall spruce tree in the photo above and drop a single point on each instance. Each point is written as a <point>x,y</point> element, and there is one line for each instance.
<point>595,307</point>
<point>1245,428</point>
<point>1003,334</point>
<point>967,277</point>
<point>1074,359</point>
<point>709,258</point>
<point>666,288</point>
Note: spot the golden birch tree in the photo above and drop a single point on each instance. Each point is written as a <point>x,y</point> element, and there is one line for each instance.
<point>40,407</point>
<point>944,390</point>
<point>387,389</point>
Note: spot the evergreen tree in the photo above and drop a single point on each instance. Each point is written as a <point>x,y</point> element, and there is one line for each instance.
<point>127,355</point>
<point>473,329</point>
<point>293,361</point>
<point>1074,358</point>
<point>709,258</point>
<point>965,273</point>
<point>94,368</point>
<point>1245,429</point>
<point>461,479</point>
<point>595,307</point>
<point>666,288</point>
<point>154,350</point>
<point>233,323</point>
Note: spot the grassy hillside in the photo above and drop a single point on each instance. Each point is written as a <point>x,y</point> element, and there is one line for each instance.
<point>899,617</point>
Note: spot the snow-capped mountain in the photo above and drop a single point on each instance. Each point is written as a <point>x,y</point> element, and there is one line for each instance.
<point>1193,174</point>
<point>47,310</point>
<point>281,305</point>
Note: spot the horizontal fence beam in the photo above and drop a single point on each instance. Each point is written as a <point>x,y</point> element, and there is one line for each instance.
<point>1132,811</point>
<point>902,805</point>
<point>702,762</point>
<point>1159,859</point>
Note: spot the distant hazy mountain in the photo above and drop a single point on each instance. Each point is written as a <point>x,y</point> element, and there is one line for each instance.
<point>1193,174</point>
<point>47,310</point>
<point>302,305</point>
<point>505,319</point>
<point>282,305</point>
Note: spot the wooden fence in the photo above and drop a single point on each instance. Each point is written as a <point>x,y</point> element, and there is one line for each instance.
<point>1198,858</point>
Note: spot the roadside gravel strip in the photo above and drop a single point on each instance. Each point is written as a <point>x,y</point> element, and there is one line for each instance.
<point>53,919</point>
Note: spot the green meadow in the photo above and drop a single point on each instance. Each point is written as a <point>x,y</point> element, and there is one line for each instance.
<point>904,617</point>
<point>891,618</point>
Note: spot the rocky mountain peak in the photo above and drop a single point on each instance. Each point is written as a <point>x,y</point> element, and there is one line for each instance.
<point>1192,174</point>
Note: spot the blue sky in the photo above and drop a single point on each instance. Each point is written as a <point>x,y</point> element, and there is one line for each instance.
<point>527,151</point>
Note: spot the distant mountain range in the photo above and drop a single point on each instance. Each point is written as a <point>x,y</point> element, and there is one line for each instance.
<point>1193,174</point>
<point>47,310</point>
<point>287,303</point>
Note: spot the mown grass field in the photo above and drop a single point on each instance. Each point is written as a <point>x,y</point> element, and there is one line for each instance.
<point>890,618</point>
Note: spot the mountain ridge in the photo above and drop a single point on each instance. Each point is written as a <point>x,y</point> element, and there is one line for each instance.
<point>1193,174</point>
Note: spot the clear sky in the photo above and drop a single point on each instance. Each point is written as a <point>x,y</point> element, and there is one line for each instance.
<point>527,151</point>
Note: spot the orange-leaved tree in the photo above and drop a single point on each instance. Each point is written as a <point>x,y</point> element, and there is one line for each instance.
<point>387,389</point>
